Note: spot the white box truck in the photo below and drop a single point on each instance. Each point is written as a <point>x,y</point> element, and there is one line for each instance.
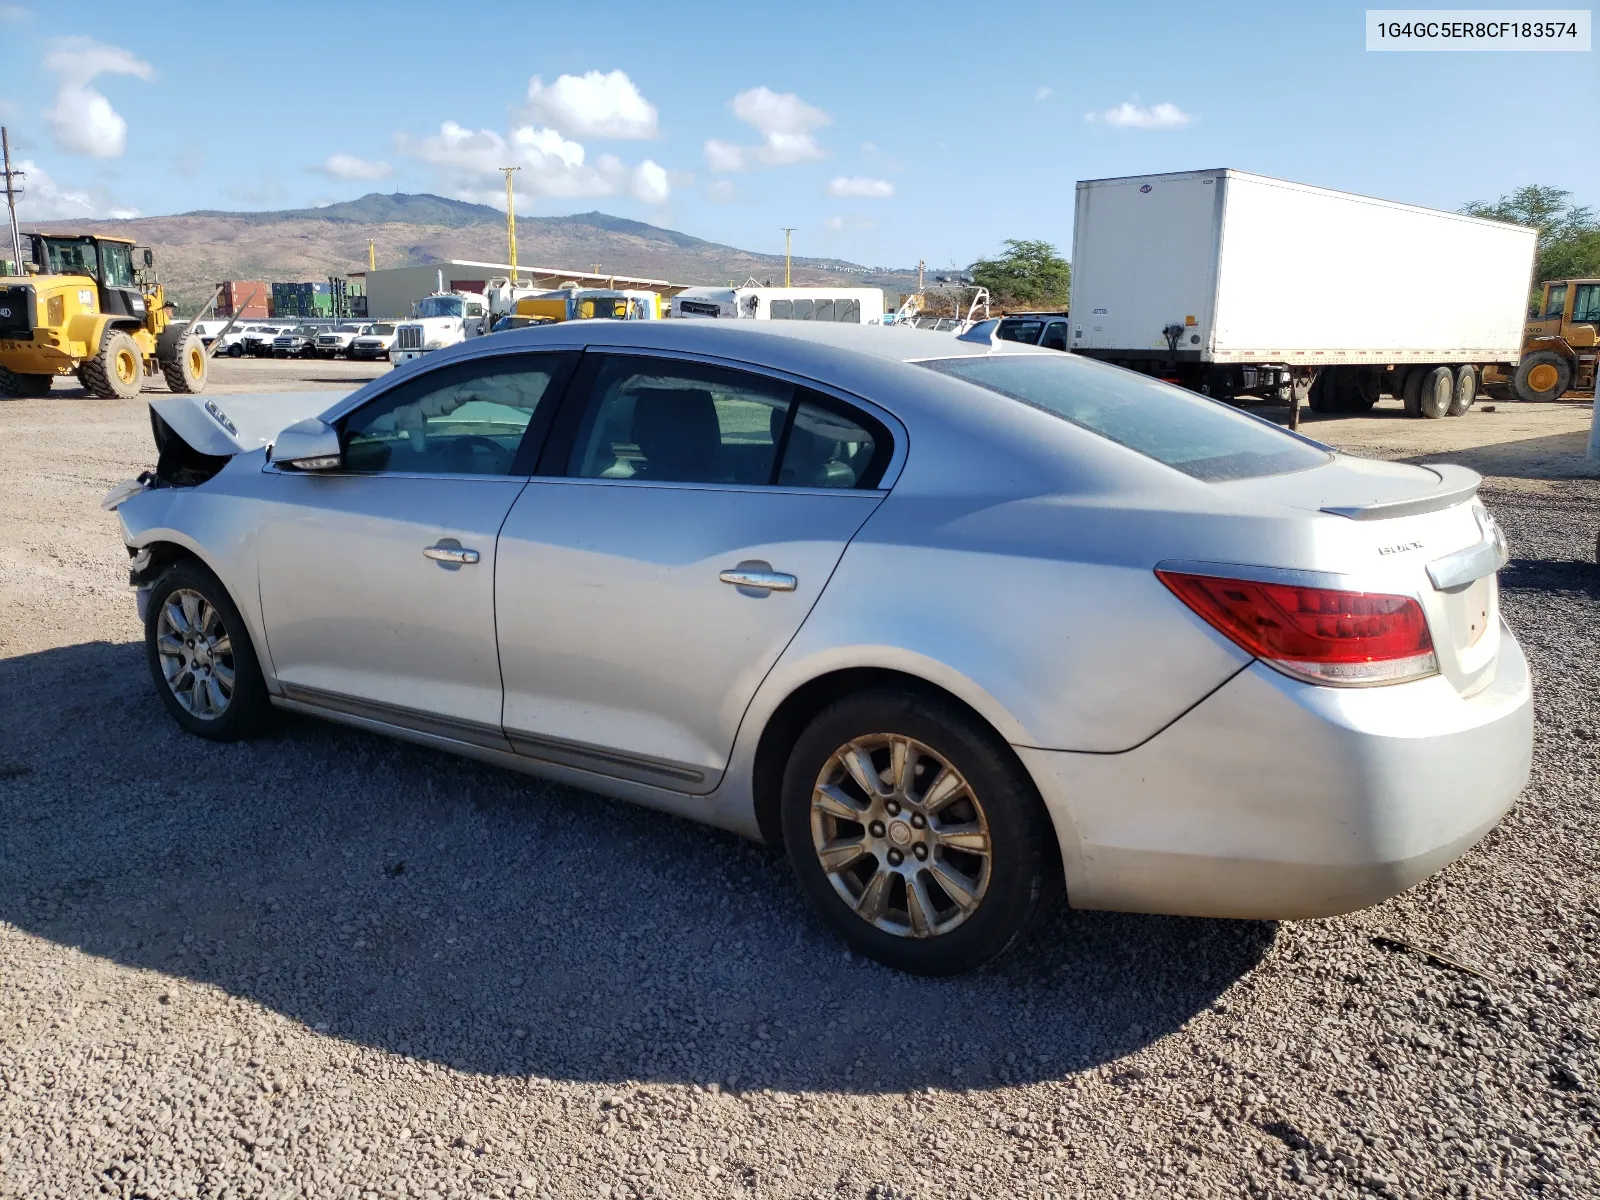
<point>1236,284</point>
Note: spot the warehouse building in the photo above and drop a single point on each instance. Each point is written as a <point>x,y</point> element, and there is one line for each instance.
<point>391,291</point>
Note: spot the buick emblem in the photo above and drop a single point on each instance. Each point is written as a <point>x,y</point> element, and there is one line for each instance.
<point>1145,188</point>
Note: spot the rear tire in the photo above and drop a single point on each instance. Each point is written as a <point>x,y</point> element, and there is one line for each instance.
<point>1466,390</point>
<point>953,882</point>
<point>13,383</point>
<point>1437,391</point>
<point>201,657</point>
<point>117,371</point>
<point>1321,391</point>
<point>1541,376</point>
<point>183,362</point>
<point>1411,392</point>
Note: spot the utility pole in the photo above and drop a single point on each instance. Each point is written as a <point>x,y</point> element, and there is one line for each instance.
<point>511,221</point>
<point>372,254</point>
<point>13,194</point>
<point>788,231</point>
<point>921,266</point>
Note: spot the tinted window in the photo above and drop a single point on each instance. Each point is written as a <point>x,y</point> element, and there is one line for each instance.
<point>1557,302</point>
<point>829,449</point>
<point>467,419</point>
<point>803,309</point>
<point>1189,433</point>
<point>116,261</point>
<point>848,311</point>
<point>1055,336</point>
<point>679,422</point>
<point>1019,331</point>
<point>823,311</point>
<point>781,310</point>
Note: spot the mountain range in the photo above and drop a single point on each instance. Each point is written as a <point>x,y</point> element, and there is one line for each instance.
<point>196,250</point>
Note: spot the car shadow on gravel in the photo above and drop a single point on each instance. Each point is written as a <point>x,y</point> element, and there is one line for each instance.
<point>409,900</point>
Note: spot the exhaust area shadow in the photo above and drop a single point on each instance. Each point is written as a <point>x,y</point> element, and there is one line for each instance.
<point>433,907</point>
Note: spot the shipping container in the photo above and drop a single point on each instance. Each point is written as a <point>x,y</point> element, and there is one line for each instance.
<point>1237,283</point>
<point>246,299</point>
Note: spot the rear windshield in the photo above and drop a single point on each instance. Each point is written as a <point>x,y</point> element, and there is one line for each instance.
<point>1020,331</point>
<point>1200,437</point>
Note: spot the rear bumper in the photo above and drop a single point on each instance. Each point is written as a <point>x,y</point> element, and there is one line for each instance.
<point>1274,799</point>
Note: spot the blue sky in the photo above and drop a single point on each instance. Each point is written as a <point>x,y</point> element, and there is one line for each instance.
<point>883,133</point>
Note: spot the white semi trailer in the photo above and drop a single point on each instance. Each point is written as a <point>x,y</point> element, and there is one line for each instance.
<point>1236,284</point>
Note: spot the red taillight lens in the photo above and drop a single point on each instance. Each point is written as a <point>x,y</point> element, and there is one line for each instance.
<point>1321,634</point>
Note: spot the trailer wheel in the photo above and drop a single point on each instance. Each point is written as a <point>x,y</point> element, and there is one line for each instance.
<point>1361,389</point>
<point>1321,386</point>
<point>1437,391</point>
<point>1542,375</point>
<point>1466,389</point>
<point>1411,392</point>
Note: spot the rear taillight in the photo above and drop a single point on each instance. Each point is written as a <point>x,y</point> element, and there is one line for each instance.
<point>1323,635</point>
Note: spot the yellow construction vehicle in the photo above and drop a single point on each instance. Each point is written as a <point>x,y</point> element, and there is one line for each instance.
<point>91,306</point>
<point>1559,344</point>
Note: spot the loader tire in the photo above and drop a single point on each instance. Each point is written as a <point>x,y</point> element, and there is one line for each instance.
<point>10,385</point>
<point>1437,392</point>
<point>1466,390</point>
<point>183,362</point>
<point>117,371</point>
<point>34,385</point>
<point>1542,375</point>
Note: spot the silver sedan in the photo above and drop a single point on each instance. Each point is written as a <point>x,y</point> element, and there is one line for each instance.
<point>959,625</point>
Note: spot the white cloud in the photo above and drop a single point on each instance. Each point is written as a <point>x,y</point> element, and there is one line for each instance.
<point>46,200</point>
<point>861,186</point>
<point>649,183</point>
<point>348,166</point>
<point>1044,93</point>
<point>722,191</point>
<point>466,164</point>
<point>1128,115</point>
<point>594,104</point>
<point>869,147</point>
<point>82,120</point>
<point>786,124</point>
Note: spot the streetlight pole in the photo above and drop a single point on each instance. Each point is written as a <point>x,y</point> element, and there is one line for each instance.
<point>787,231</point>
<point>11,198</point>
<point>511,221</point>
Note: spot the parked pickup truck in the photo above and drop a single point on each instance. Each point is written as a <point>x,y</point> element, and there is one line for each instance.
<point>375,342</point>
<point>1047,329</point>
<point>336,341</point>
<point>297,343</point>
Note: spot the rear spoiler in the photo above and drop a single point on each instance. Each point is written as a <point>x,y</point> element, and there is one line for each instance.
<point>1456,484</point>
<point>223,426</point>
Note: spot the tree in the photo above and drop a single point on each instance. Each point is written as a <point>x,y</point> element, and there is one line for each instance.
<point>1029,274</point>
<point>1569,234</point>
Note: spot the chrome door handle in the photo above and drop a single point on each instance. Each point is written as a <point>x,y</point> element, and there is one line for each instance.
<point>445,552</point>
<point>767,581</point>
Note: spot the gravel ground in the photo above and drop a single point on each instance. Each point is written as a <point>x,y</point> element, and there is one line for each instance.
<point>327,964</point>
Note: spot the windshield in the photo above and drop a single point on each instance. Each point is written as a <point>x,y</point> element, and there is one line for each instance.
<point>70,256</point>
<point>439,306</point>
<point>1202,438</point>
<point>348,329</point>
<point>383,330</point>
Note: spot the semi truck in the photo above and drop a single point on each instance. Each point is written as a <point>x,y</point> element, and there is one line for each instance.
<point>1237,284</point>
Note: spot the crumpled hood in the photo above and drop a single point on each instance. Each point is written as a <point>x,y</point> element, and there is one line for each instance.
<point>223,426</point>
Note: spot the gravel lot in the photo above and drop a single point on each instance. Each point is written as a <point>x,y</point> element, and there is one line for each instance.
<point>326,964</point>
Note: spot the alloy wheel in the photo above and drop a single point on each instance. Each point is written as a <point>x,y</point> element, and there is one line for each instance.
<point>196,654</point>
<point>901,835</point>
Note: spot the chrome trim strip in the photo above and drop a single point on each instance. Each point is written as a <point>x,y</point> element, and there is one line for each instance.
<point>472,732</point>
<point>1468,566</point>
<point>1257,574</point>
<point>600,759</point>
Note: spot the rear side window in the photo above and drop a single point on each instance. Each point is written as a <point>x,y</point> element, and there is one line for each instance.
<point>1202,438</point>
<point>1019,331</point>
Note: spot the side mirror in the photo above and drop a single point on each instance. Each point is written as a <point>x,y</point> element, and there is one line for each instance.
<point>149,257</point>
<point>309,445</point>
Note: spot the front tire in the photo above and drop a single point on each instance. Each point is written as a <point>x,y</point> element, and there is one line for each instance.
<point>1541,376</point>
<point>916,833</point>
<point>236,351</point>
<point>183,362</point>
<point>117,371</point>
<point>201,657</point>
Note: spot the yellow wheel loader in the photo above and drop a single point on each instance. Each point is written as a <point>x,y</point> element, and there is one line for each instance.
<point>92,307</point>
<point>1559,345</point>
